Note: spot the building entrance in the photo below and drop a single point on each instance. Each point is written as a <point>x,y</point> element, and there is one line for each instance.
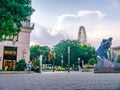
<point>10,56</point>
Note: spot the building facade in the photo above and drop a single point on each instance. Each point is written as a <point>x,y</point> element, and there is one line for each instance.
<point>15,48</point>
<point>116,52</point>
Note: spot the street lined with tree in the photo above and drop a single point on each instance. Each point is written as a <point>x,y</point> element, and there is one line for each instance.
<point>58,56</point>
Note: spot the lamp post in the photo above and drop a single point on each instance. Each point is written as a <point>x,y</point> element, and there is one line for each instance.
<point>78,64</point>
<point>62,60</point>
<point>40,58</point>
<point>68,59</point>
<point>54,61</point>
<point>82,63</point>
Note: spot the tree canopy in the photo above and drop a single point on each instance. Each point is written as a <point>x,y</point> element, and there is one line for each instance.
<point>77,50</point>
<point>37,50</point>
<point>12,14</point>
<point>84,52</point>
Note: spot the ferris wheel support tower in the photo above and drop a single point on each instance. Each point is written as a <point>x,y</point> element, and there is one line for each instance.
<point>82,37</point>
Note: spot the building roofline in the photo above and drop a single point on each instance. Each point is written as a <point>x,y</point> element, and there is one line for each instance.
<point>116,47</point>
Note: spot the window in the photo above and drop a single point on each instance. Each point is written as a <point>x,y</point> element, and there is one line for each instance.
<point>11,38</point>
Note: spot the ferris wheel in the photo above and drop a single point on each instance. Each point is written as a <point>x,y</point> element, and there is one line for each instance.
<point>82,37</point>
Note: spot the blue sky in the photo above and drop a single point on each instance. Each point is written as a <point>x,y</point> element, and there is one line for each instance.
<point>60,19</point>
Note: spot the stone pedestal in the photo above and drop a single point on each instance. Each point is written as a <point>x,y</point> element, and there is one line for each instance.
<point>117,70</point>
<point>106,66</point>
<point>104,70</point>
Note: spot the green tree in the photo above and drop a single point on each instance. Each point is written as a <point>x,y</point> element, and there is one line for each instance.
<point>61,49</point>
<point>12,14</point>
<point>45,50</point>
<point>34,52</point>
<point>36,64</point>
<point>84,52</point>
<point>37,50</point>
<point>118,59</point>
<point>88,52</point>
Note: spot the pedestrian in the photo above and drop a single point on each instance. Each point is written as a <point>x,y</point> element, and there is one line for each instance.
<point>29,66</point>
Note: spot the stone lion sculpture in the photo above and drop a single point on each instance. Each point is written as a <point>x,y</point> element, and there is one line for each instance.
<point>103,48</point>
<point>102,53</point>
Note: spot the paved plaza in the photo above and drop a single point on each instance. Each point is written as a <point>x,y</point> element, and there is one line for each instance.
<point>60,81</point>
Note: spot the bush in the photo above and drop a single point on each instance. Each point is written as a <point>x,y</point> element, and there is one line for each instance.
<point>36,65</point>
<point>118,59</point>
<point>58,68</point>
<point>46,68</point>
<point>87,66</point>
<point>92,61</point>
<point>21,65</point>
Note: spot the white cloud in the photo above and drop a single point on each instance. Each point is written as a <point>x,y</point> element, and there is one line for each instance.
<point>71,22</point>
<point>83,13</point>
<point>62,17</point>
<point>93,15</point>
<point>97,13</point>
<point>67,26</point>
<point>59,25</point>
<point>104,30</point>
<point>42,36</point>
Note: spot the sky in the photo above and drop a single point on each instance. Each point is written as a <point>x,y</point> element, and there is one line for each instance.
<point>56,20</point>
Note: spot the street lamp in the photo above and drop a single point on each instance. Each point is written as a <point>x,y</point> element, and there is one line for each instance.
<point>62,60</point>
<point>40,58</point>
<point>78,64</point>
<point>54,61</point>
<point>68,59</point>
<point>82,63</point>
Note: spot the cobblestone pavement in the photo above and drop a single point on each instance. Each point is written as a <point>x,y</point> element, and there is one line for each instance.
<point>60,81</point>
